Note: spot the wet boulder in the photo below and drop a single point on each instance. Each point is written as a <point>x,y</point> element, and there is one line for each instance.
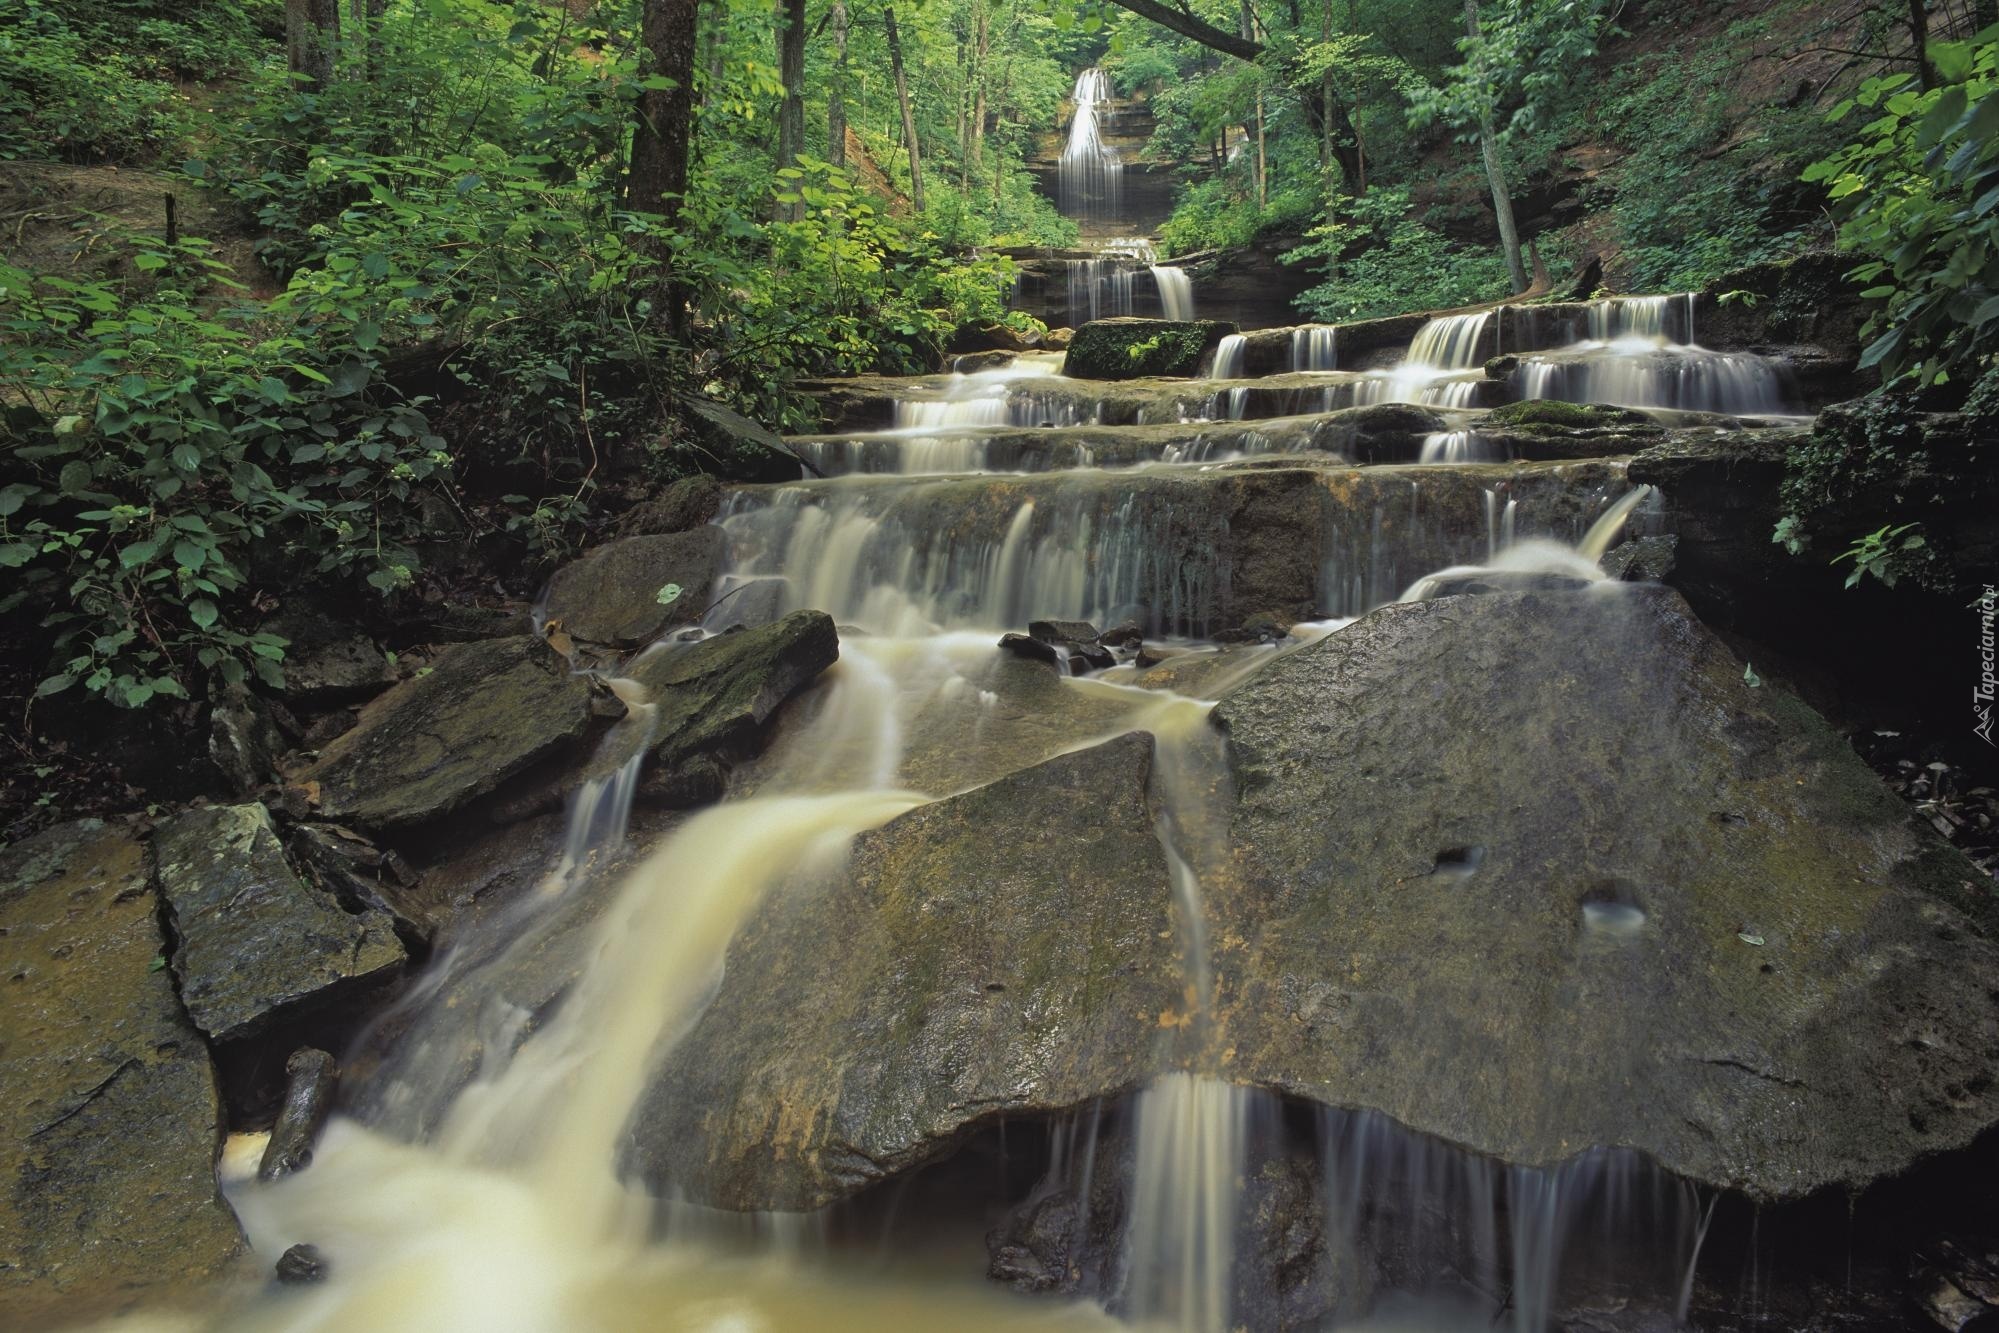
<point>485,712</point>
<point>327,663</point>
<point>1532,872</point>
<point>1006,951</point>
<point>255,944</point>
<point>686,503</point>
<point>716,697</point>
<point>1129,349</point>
<point>628,592</point>
<point>731,446</point>
<point>111,1118</point>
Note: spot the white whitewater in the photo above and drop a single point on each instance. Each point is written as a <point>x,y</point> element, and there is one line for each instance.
<point>1229,358</point>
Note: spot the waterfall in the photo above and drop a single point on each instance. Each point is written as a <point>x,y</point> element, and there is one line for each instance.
<point>1456,446</point>
<point>1315,347</point>
<point>1228,358</point>
<point>1090,175</point>
<point>1176,291</point>
<point>1186,1192</point>
<point>1450,342</point>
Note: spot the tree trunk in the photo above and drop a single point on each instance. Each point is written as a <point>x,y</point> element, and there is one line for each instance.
<point>836,91</point>
<point>1984,14</point>
<point>1495,172</point>
<point>982,46</point>
<point>312,32</point>
<point>908,111</point>
<point>1919,38</point>
<point>664,132</point>
<point>791,112</point>
<point>1188,25</point>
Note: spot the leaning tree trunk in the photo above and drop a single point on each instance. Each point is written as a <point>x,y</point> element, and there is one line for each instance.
<point>312,32</point>
<point>1495,171</point>
<point>908,112</point>
<point>663,135</point>
<point>836,90</point>
<point>791,112</point>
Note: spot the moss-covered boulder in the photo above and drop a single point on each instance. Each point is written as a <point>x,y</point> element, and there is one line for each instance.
<point>1007,951</point>
<point>254,944</point>
<point>1129,349</point>
<point>111,1120</point>
<point>618,594</point>
<point>1533,872</point>
<point>1548,414</point>
<point>716,698</point>
<point>484,712</point>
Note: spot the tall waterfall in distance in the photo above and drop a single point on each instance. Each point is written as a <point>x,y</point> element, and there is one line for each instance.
<point>1090,175</point>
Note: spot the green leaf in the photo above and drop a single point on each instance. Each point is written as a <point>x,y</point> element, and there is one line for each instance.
<point>273,389</point>
<point>55,684</point>
<point>202,612</point>
<point>376,265</point>
<point>138,553</point>
<point>668,595</point>
<point>190,555</point>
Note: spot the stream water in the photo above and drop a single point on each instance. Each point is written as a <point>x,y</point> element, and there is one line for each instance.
<point>475,1182</point>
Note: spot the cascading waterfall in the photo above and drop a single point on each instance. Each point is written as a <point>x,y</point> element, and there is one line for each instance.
<point>1176,291</point>
<point>1315,347</point>
<point>1634,360</point>
<point>478,1183</point>
<point>1090,174</point>
<point>1228,358</point>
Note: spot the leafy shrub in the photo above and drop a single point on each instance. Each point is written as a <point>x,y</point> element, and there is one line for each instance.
<point>1917,193</point>
<point>1380,261</point>
<point>177,462</point>
<point>62,96</point>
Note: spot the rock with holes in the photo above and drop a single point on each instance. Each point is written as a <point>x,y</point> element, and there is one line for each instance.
<point>1007,951</point>
<point>1537,871</point>
<point>630,591</point>
<point>254,944</point>
<point>483,713</point>
<point>111,1119</point>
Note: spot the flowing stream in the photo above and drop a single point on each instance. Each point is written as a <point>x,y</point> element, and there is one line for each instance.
<point>476,1182</point>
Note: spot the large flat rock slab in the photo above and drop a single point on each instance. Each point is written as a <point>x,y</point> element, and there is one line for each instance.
<point>111,1121</point>
<point>485,712</point>
<point>1534,872</point>
<point>1010,950</point>
<point>255,944</point>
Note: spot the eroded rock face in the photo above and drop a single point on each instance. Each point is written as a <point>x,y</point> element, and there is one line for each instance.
<point>111,1121</point>
<point>484,713</point>
<point>1007,950</point>
<point>1536,871</point>
<point>716,698</point>
<point>254,943</point>
<point>612,595</point>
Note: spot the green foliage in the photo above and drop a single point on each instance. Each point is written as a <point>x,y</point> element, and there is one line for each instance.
<point>1519,68</point>
<point>1917,193</point>
<point>62,96</point>
<point>1380,261</point>
<point>177,461</point>
<point>1884,553</point>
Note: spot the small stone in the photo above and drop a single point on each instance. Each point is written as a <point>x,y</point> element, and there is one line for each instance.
<point>302,1265</point>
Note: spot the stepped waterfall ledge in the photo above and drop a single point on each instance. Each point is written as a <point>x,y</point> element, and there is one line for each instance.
<point>1131,669</point>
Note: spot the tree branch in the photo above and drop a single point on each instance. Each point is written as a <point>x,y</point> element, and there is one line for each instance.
<point>1196,29</point>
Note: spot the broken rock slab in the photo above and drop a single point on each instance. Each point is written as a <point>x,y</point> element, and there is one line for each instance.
<point>255,943</point>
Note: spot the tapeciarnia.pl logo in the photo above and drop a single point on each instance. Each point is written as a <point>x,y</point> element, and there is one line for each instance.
<point>1982,694</point>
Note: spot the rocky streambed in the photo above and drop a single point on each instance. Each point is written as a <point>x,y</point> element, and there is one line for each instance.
<point>1268,936</point>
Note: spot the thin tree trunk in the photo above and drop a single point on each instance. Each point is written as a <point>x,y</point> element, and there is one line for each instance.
<point>791,112</point>
<point>836,91</point>
<point>908,111</point>
<point>1984,13</point>
<point>1495,172</point>
<point>663,136</point>
<point>1326,101</point>
<point>981,49</point>
<point>1919,37</point>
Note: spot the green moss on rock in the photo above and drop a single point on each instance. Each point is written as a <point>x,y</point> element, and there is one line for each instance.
<point>1129,349</point>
